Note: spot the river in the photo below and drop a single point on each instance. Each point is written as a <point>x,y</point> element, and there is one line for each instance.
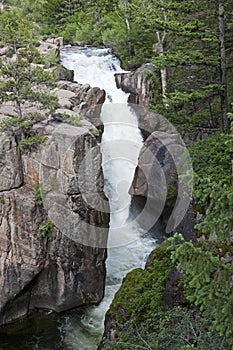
<point>128,246</point>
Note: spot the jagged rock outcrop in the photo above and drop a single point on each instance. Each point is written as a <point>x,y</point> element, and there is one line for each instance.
<point>80,100</point>
<point>74,100</point>
<point>53,248</point>
<point>136,83</point>
<point>162,182</point>
<point>11,174</point>
<point>63,73</point>
<point>61,270</point>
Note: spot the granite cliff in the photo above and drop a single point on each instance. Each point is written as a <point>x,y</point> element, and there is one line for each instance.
<point>136,83</point>
<point>46,260</point>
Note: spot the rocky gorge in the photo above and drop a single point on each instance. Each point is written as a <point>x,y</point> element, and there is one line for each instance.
<point>160,160</point>
<point>63,269</point>
<point>157,187</point>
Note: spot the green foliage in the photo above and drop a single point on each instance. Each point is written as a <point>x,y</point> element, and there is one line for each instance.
<point>15,27</point>
<point>142,320</point>
<point>69,33</point>
<point>115,34</point>
<point>32,141</point>
<point>2,200</point>
<point>208,284</point>
<point>75,119</point>
<point>213,194</point>
<point>16,123</point>
<point>179,329</point>
<point>212,156</point>
<point>185,41</point>
<point>141,294</point>
<point>96,132</point>
<point>218,200</point>
<point>22,80</point>
<point>7,123</point>
<point>39,194</point>
<point>52,59</point>
<point>55,15</point>
<point>46,229</point>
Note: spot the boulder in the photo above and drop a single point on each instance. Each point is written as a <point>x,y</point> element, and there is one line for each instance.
<point>136,83</point>
<point>62,73</point>
<point>163,181</point>
<point>83,100</point>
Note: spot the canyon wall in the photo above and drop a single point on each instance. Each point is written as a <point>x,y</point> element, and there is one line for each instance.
<point>53,232</point>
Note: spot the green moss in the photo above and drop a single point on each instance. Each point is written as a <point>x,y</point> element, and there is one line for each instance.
<point>141,296</point>
<point>127,295</point>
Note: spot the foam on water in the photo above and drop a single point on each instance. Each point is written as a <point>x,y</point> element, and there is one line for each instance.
<point>121,143</point>
<point>128,248</point>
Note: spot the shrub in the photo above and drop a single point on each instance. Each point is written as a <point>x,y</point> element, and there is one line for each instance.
<point>46,229</point>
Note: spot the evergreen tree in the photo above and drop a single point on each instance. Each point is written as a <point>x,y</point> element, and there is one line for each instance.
<point>23,81</point>
<point>186,45</point>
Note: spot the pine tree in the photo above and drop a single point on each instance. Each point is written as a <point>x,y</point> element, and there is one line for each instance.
<point>22,80</point>
<point>186,43</point>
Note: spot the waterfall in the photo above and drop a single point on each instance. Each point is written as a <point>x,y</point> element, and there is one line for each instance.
<point>121,143</point>
<point>128,247</point>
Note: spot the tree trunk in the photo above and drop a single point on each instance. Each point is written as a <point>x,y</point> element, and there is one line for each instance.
<point>223,69</point>
<point>17,84</point>
<point>163,71</point>
<point>124,5</point>
<point>128,36</point>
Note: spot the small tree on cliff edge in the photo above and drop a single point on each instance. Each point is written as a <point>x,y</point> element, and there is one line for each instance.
<point>22,80</point>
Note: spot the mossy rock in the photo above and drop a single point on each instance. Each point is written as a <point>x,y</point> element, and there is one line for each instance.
<point>141,296</point>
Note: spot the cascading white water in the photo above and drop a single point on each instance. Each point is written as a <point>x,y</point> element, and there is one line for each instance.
<point>121,143</point>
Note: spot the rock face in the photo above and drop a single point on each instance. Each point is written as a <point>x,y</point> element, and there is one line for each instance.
<point>63,73</point>
<point>52,249</point>
<point>80,100</point>
<point>11,175</point>
<point>137,84</point>
<point>54,216</point>
<point>158,182</point>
